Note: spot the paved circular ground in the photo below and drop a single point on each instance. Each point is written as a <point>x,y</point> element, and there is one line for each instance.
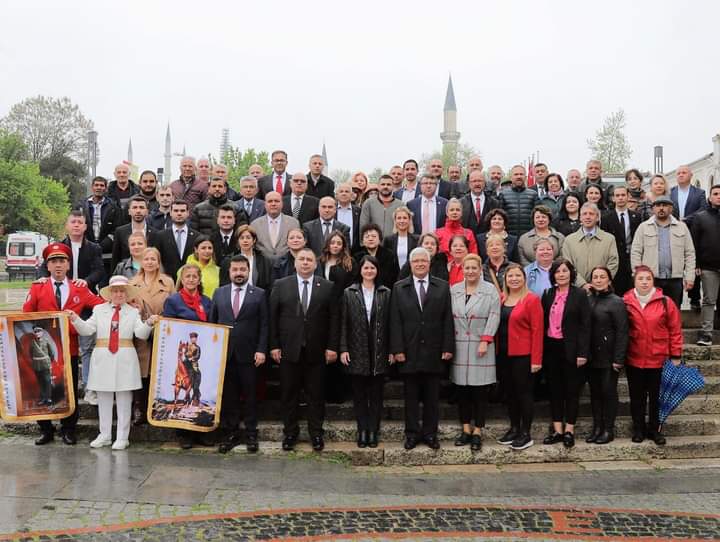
<point>408,522</point>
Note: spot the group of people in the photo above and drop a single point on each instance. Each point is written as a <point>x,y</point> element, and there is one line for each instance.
<point>485,280</point>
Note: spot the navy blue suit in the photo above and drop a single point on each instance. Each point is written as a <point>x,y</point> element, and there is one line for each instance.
<point>257,210</point>
<point>696,201</point>
<point>416,207</point>
<point>249,335</point>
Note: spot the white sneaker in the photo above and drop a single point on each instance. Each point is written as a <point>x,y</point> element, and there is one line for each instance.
<point>120,444</point>
<point>100,441</point>
<point>91,397</point>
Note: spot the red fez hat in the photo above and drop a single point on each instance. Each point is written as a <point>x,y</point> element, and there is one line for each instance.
<point>57,250</point>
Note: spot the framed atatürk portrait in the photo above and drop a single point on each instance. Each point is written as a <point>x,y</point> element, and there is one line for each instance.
<point>35,369</point>
<point>187,374</point>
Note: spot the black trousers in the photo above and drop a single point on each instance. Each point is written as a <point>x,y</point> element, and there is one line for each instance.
<point>66,424</point>
<point>517,382</point>
<point>565,381</point>
<point>622,281</point>
<point>603,397</point>
<point>472,403</point>
<point>367,401</point>
<point>304,374</point>
<point>673,288</point>
<point>423,387</point>
<point>644,387</point>
<point>240,380</point>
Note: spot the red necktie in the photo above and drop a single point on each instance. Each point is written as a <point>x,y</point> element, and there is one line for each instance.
<point>278,185</point>
<point>478,210</point>
<point>114,331</point>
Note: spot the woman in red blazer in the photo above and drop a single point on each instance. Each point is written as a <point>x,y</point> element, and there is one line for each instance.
<point>519,354</point>
<point>655,335</point>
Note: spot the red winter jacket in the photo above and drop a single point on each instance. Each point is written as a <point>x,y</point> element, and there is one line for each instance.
<point>451,229</point>
<point>655,332</point>
<point>525,329</point>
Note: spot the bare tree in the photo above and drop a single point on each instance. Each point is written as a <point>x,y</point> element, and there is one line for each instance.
<point>50,127</point>
<point>610,145</point>
<point>464,153</point>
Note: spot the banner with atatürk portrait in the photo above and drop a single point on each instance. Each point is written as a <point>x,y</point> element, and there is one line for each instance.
<point>187,374</point>
<point>35,367</point>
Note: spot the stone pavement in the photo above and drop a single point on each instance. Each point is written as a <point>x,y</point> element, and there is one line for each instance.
<point>75,493</point>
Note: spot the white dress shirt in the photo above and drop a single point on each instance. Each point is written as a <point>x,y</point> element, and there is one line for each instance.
<point>368,297</point>
<point>345,215</point>
<point>432,202</point>
<point>75,257</point>
<point>301,285</point>
<point>402,250</point>
<point>183,237</point>
<point>682,195</point>
<point>409,194</point>
<point>64,289</point>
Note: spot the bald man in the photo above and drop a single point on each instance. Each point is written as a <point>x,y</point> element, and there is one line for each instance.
<point>122,188</point>
<point>317,231</point>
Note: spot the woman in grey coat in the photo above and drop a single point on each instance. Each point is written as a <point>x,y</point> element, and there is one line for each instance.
<point>364,347</point>
<point>476,315</point>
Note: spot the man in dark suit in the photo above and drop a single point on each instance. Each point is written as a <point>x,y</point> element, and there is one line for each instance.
<point>254,207</point>
<point>279,179</point>
<point>138,211</point>
<point>444,189</point>
<point>176,243</point>
<point>298,204</point>
<point>319,185</point>
<point>102,217</point>
<point>304,320</point>
<point>688,200</point>
<point>223,236</point>
<point>477,204</point>
<point>348,214</point>
<point>423,338</point>
<point>435,206</point>
<point>318,230</point>
<point>244,307</point>
<point>622,223</point>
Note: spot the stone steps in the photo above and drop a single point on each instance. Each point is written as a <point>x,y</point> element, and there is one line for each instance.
<point>345,431</point>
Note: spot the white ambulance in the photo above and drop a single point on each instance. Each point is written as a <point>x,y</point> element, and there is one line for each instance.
<point>24,254</point>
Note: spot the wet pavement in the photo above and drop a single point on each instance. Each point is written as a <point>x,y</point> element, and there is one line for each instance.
<point>75,493</point>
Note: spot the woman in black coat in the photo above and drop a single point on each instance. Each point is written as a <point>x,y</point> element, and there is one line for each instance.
<point>336,264</point>
<point>364,336</point>
<point>403,240</point>
<point>608,343</point>
<point>438,260</point>
<point>568,218</point>
<point>260,266</point>
<point>567,334</point>
<point>371,238</point>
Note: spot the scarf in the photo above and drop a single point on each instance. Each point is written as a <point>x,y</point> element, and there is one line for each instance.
<point>644,299</point>
<point>193,302</point>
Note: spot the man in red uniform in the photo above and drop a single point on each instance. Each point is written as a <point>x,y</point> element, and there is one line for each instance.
<point>60,293</point>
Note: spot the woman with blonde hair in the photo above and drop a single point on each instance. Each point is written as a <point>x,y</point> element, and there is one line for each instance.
<point>476,313</point>
<point>131,265</point>
<point>403,239</point>
<point>519,354</point>
<point>658,187</point>
<point>153,288</point>
<point>359,182</point>
<point>497,261</point>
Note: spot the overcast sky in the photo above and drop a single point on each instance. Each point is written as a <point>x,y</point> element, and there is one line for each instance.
<point>369,78</point>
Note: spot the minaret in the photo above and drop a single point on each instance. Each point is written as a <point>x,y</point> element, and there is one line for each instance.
<point>130,153</point>
<point>450,136</point>
<point>324,156</point>
<point>168,157</point>
<point>224,143</point>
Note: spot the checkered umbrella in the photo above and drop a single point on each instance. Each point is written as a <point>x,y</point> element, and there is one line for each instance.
<point>677,383</point>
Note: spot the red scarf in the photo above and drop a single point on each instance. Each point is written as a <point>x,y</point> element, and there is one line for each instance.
<point>193,302</point>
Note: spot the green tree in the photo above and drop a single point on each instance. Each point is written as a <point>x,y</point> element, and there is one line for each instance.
<point>610,145</point>
<point>239,162</point>
<point>69,172</point>
<point>49,127</point>
<point>464,153</point>
<point>12,148</point>
<point>29,201</point>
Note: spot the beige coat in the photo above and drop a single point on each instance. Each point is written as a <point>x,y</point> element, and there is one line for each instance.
<point>119,371</point>
<point>151,300</point>
<point>644,249</point>
<point>586,254</point>
<point>525,249</point>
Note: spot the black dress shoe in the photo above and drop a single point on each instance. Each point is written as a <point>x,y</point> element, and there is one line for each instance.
<point>638,437</point>
<point>69,438</point>
<point>373,439</point>
<point>568,439</point>
<point>318,444</point>
<point>362,439</point>
<point>252,443</point>
<point>410,443</point>
<point>185,442</point>
<point>605,437</point>
<point>463,439</point>
<point>139,417</point>
<point>45,438</point>
<point>594,434</point>
<point>288,443</point>
<point>553,439</point>
<point>658,438</point>
<point>476,443</point>
<point>229,443</point>
<point>432,442</point>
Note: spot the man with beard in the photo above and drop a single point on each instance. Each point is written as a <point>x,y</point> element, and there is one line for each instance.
<point>319,185</point>
<point>380,210</point>
<point>188,187</point>
<point>411,188</point>
<point>103,217</point>
<point>148,189</point>
<point>243,307</point>
<point>137,209</point>
<point>204,215</point>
